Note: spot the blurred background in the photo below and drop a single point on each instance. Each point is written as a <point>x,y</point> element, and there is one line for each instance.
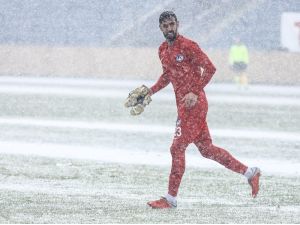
<point>119,39</point>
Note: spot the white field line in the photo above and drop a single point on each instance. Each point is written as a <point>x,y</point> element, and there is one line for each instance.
<point>251,100</point>
<point>122,93</point>
<point>125,156</point>
<point>148,128</point>
<point>125,83</point>
<point>75,82</point>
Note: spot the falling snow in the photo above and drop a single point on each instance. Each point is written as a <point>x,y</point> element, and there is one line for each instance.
<point>71,153</point>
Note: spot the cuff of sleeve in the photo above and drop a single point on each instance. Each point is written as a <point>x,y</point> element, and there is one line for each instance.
<point>153,90</point>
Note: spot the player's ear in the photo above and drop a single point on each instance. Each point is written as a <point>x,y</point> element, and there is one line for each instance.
<point>160,27</point>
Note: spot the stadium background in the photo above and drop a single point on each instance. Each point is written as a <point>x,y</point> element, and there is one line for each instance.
<point>119,39</point>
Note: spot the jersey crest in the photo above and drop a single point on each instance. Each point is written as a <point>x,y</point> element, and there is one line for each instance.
<point>179,57</point>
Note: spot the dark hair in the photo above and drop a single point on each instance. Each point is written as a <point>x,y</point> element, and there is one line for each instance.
<point>167,15</point>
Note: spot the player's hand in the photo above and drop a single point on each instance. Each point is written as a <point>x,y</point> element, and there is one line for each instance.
<point>190,99</point>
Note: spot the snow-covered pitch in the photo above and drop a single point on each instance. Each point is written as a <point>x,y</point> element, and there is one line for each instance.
<point>71,153</point>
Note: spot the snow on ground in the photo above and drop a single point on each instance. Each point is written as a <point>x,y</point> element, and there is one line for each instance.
<point>125,156</point>
<point>88,88</point>
<point>225,93</point>
<point>70,153</point>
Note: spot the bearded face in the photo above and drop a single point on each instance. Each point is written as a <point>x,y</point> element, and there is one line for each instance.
<point>169,29</point>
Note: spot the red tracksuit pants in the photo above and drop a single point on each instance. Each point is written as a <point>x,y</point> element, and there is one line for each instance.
<point>207,149</point>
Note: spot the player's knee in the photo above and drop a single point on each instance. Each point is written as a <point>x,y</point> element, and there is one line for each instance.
<point>177,149</point>
<point>207,150</point>
<point>173,150</point>
<point>206,153</point>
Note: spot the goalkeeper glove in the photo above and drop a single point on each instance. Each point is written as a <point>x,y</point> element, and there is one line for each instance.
<point>138,99</point>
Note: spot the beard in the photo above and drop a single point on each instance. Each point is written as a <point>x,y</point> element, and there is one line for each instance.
<point>170,36</point>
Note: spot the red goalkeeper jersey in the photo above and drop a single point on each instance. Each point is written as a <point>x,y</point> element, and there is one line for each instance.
<point>188,69</point>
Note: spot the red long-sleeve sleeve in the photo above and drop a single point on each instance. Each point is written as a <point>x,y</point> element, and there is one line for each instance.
<point>200,58</point>
<point>162,82</point>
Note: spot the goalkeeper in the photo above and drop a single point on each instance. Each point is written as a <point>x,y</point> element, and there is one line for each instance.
<point>189,70</point>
